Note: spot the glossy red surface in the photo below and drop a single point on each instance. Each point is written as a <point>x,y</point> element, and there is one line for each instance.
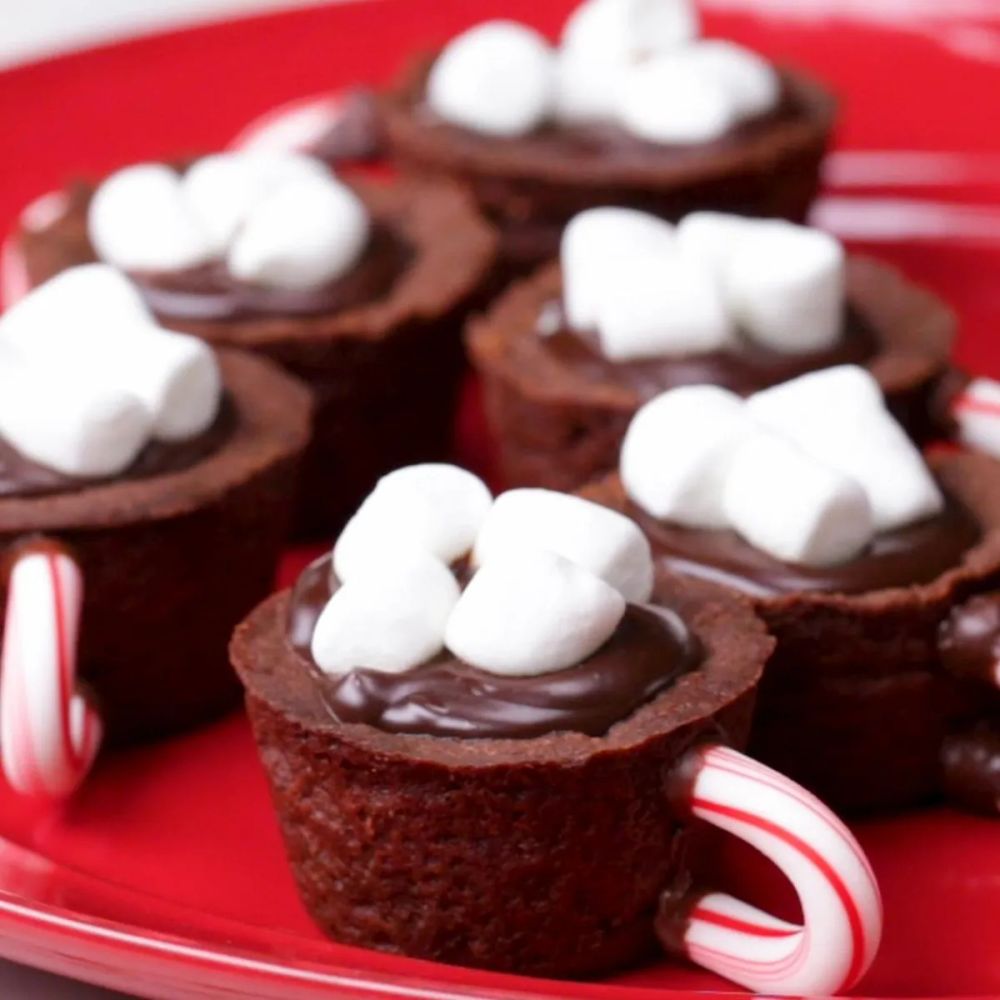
<point>165,874</point>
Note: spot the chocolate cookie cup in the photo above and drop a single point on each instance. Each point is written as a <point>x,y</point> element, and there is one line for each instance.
<point>559,410</point>
<point>856,702</point>
<point>172,560</point>
<point>481,851</point>
<point>531,185</point>
<point>384,365</point>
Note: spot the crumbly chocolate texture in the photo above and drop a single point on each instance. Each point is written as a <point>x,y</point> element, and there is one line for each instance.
<point>855,703</point>
<point>559,427</point>
<point>531,186</point>
<point>172,562</point>
<point>384,374</point>
<point>544,855</point>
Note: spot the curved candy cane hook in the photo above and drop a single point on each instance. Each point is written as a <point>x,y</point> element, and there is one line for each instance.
<point>841,905</point>
<point>50,733</point>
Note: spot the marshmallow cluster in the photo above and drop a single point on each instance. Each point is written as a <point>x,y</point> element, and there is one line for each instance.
<point>276,219</point>
<point>638,63</point>
<point>552,574</point>
<point>650,289</point>
<point>807,471</point>
<point>87,377</point>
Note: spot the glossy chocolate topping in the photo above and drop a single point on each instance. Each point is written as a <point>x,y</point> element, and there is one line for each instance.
<point>914,554</point>
<point>745,369</point>
<point>22,477</point>
<point>209,292</point>
<point>970,763</point>
<point>356,135</point>
<point>448,697</point>
<point>969,639</point>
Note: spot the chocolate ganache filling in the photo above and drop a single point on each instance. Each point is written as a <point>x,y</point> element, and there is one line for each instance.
<point>209,292</point>
<point>448,697</point>
<point>21,476</point>
<point>914,554</point>
<point>744,369</point>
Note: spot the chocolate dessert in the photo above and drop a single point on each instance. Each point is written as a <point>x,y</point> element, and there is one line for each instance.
<point>379,345</point>
<point>559,408</point>
<point>474,843</point>
<point>861,701</point>
<point>174,550</point>
<point>531,185</point>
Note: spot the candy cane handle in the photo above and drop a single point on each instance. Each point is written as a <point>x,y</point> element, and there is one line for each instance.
<point>841,906</point>
<point>49,733</point>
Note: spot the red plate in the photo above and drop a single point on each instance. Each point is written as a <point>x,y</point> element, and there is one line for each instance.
<point>165,874</point>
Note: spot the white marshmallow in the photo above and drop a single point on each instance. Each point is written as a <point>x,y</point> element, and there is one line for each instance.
<point>623,31</point>
<point>837,416</point>
<point>592,242</point>
<point>495,78</point>
<point>658,306</point>
<point>225,188</point>
<point>92,319</point>
<point>977,413</point>
<point>598,539</point>
<point>78,304</point>
<point>437,509</point>
<point>797,509</point>
<point>68,422</point>
<point>386,621</point>
<point>530,612</point>
<point>585,90</point>
<point>177,377</point>
<point>671,99</point>
<point>749,79</point>
<point>302,235</point>
<point>677,452</point>
<point>710,238</point>
<point>139,220</point>
<point>785,286</point>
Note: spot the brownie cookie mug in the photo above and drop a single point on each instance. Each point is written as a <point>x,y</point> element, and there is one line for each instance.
<point>636,306</point>
<point>488,744</point>
<point>145,488</point>
<point>358,289</point>
<point>864,560</point>
<point>631,108</point>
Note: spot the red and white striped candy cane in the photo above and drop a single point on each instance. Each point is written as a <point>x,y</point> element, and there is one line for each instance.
<point>50,734</point>
<point>976,412</point>
<point>841,905</point>
<point>293,127</point>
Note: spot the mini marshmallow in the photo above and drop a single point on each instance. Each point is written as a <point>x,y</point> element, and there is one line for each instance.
<point>77,304</point>
<point>225,188</point>
<point>660,306</point>
<point>386,621</point>
<point>68,422</point>
<point>495,78</point>
<point>176,376</point>
<point>977,413</point>
<point>92,318</point>
<point>749,79</point>
<point>677,452</point>
<point>433,508</point>
<point>302,235</point>
<point>794,508</point>
<point>838,417</point>
<point>672,100</point>
<point>139,220</point>
<point>711,237</point>
<point>592,242</point>
<point>624,31</point>
<point>785,286</point>
<point>585,90</point>
<point>529,612</point>
<point>598,539</point>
